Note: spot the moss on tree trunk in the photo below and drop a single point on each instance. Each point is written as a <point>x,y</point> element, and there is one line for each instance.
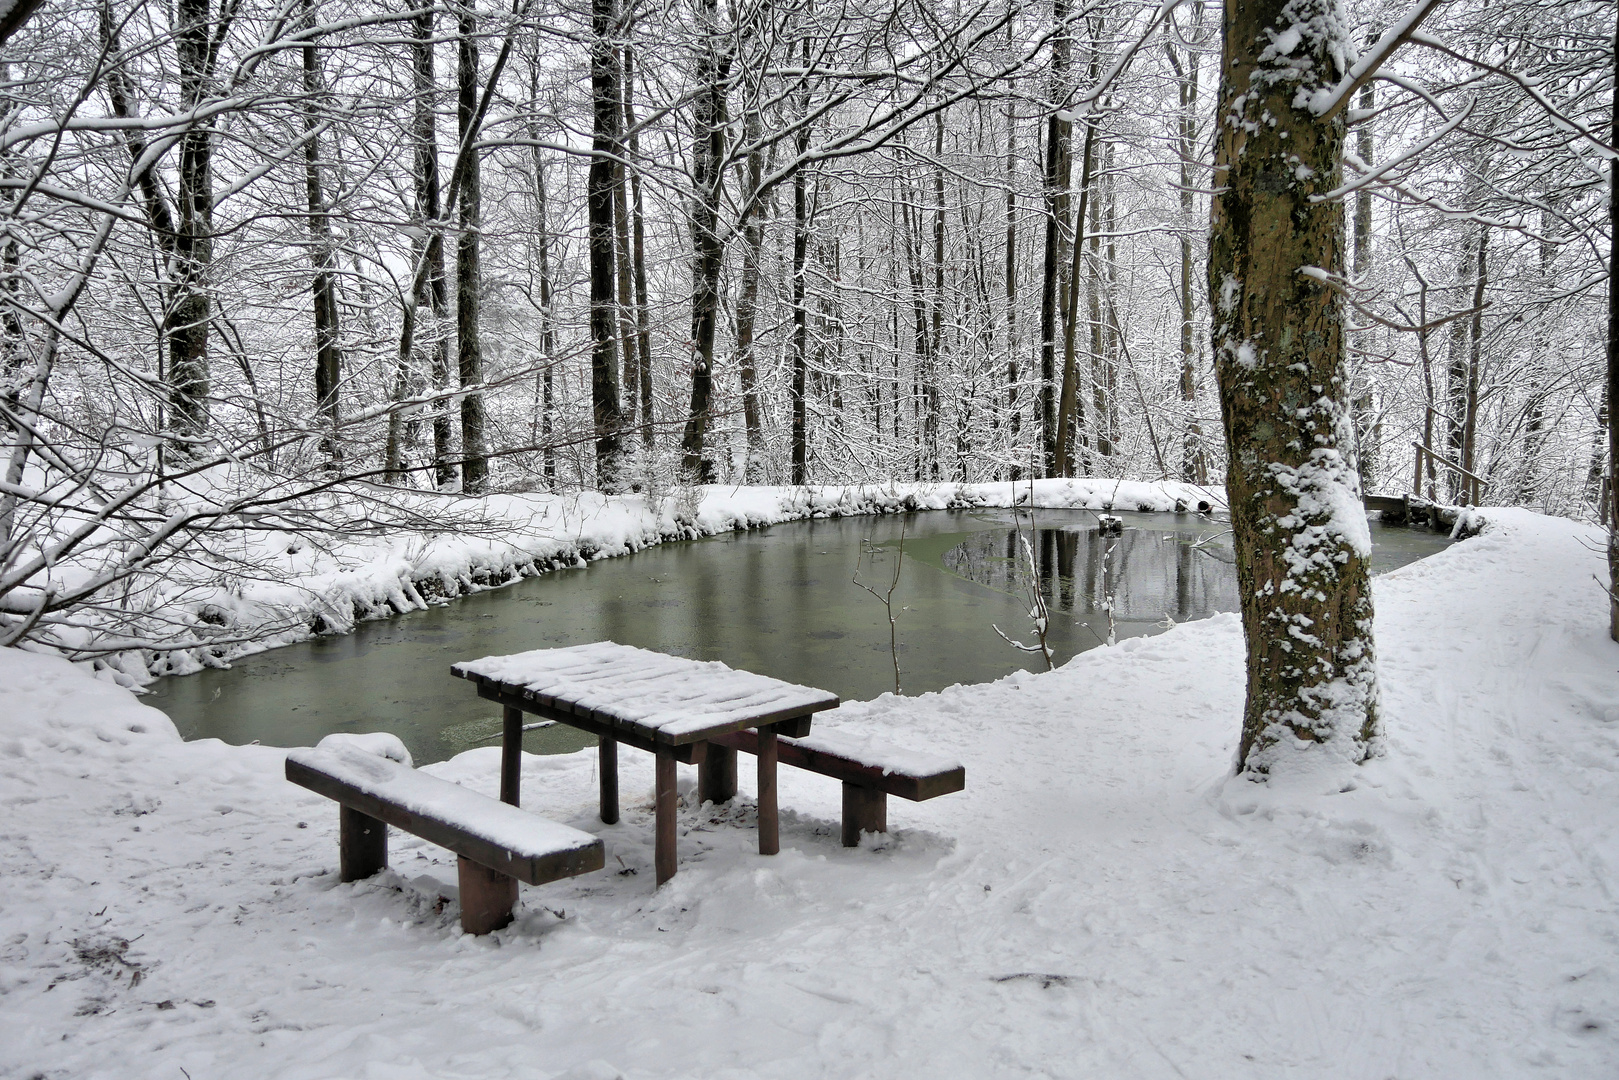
<point>1301,538</point>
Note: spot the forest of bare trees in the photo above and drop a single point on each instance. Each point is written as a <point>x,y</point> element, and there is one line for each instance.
<point>253,253</point>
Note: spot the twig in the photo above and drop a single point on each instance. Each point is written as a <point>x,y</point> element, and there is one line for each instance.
<point>887,598</point>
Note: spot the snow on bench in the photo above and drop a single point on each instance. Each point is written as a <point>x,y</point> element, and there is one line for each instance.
<point>870,770</point>
<point>498,845</point>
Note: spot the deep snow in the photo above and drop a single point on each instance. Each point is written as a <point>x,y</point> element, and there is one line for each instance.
<point>1103,900</point>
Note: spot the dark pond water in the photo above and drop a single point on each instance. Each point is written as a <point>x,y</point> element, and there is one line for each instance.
<point>779,601</point>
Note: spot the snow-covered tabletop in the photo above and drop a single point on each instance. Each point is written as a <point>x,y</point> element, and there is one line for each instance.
<point>668,699</point>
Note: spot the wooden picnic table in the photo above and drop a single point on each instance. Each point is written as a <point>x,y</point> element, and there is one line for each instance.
<point>666,705</point>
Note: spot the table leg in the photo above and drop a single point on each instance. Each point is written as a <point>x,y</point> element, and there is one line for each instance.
<point>716,774</point>
<point>769,824</point>
<point>607,766</point>
<point>664,837</point>
<point>511,755</point>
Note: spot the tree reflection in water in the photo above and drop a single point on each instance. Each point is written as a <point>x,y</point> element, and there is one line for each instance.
<point>1152,573</point>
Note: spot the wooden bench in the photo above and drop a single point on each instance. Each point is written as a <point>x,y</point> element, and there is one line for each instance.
<point>870,773</point>
<point>497,844</point>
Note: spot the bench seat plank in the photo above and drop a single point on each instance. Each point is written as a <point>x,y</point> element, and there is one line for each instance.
<point>858,760</point>
<point>501,837</point>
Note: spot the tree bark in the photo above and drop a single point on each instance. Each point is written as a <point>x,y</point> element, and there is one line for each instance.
<point>434,292</point>
<point>322,256</point>
<point>468,272</point>
<point>1301,538</point>
<point>621,237</point>
<point>708,253</point>
<point>747,302</point>
<point>1093,306</point>
<point>1194,465</point>
<point>599,210</point>
<point>930,376</point>
<point>643,317</point>
<point>1367,429</point>
<point>1475,345</point>
<point>1014,414</point>
<point>1455,411</point>
<point>190,309</point>
<point>1613,352</point>
<point>548,345</point>
<point>800,341</point>
<point>1070,403</point>
<point>1058,134</point>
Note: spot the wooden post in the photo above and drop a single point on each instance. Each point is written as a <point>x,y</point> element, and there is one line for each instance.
<point>511,756</point>
<point>769,823</point>
<point>607,765</point>
<point>865,809</point>
<point>487,896</point>
<point>362,844</point>
<point>664,807</point>
<point>716,774</point>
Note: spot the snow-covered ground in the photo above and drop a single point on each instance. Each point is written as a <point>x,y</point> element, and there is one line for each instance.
<point>1103,900</point>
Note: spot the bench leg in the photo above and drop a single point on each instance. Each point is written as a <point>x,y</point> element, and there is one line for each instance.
<point>664,809</point>
<point>716,775</point>
<point>865,809</point>
<point>362,844</point>
<point>769,822</point>
<point>487,896</point>
<point>511,755</point>
<point>607,766</point>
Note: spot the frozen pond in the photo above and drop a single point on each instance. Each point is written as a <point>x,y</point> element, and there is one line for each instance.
<point>779,601</point>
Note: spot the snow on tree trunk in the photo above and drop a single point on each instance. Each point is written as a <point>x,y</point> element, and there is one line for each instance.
<point>1300,531</point>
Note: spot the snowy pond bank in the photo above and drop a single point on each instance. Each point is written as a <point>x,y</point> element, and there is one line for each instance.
<point>1102,901</point>
<point>299,587</point>
<point>779,601</point>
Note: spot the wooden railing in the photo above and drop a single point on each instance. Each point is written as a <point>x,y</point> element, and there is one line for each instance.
<point>1472,484</point>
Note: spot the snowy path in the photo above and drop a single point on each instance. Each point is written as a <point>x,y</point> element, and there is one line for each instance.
<point>1100,902</point>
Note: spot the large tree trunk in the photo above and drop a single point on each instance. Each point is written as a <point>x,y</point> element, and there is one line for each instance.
<point>468,273</point>
<point>930,377</point>
<point>1475,345</point>
<point>434,294</point>
<point>630,341</point>
<point>1093,307</point>
<point>1194,465</point>
<point>548,345</point>
<point>599,209</point>
<point>643,317</point>
<point>1455,408</point>
<point>1058,134</point>
<point>747,302</point>
<point>323,257</point>
<point>1071,403</point>
<point>1613,350</point>
<point>800,341</point>
<point>429,291</point>
<point>189,312</point>
<point>1367,429</point>
<point>1301,538</point>
<point>1014,413</point>
<point>708,253</point>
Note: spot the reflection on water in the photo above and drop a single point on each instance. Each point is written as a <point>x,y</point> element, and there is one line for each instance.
<point>1153,575</point>
<point>779,601</point>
